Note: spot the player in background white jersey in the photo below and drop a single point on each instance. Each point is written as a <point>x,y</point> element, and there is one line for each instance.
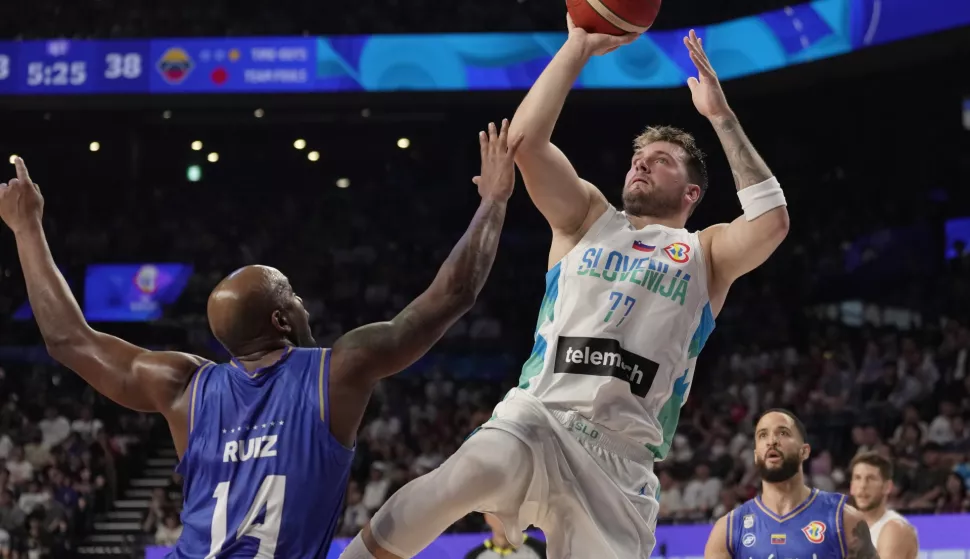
<point>871,485</point>
<point>630,299</point>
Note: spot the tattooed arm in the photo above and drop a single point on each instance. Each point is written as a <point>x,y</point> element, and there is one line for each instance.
<point>741,246</point>
<point>364,356</point>
<point>858,540</point>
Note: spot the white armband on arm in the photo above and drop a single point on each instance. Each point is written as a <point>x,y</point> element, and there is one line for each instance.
<point>761,198</point>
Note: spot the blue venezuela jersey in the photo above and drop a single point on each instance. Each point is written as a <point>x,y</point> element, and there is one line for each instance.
<point>813,530</point>
<point>263,476</point>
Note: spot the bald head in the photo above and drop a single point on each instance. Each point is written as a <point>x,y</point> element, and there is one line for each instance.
<point>254,309</point>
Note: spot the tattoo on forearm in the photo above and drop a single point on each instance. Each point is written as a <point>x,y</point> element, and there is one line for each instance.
<point>746,165</point>
<point>471,260</point>
<point>860,543</point>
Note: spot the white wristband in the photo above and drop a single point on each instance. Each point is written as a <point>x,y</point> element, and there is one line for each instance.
<point>761,198</point>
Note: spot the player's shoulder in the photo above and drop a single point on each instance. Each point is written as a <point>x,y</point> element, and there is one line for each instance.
<point>829,498</point>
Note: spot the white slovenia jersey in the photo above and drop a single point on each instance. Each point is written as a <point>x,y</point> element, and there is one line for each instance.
<point>624,317</point>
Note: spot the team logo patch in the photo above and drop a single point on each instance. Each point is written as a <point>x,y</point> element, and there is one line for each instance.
<point>778,539</point>
<point>748,540</point>
<point>678,252</point>
<point>815,531</point>
<point>175,65</point>
<point>748,520</point>
<point>643,247</point>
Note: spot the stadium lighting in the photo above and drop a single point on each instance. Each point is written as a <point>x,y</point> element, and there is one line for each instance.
<point>94,146</point>
<point>299,144</point>
<point>166,114</point>
<point>258,113</point>
<point>313,156</point>
<point>194,173</point>
<point>213,157</point>
<point>13,158</point>
<point>343,183</point>
<point>404,143</point>
<point>196,145</point>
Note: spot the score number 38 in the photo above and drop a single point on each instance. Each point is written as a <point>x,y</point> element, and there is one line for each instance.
<point>117,65</point>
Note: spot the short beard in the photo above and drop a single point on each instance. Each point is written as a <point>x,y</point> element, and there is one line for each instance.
<point>876,502</point>
<point>790,466</point>
<point>641,204</point>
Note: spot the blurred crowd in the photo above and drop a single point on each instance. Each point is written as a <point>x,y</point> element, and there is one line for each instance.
<point>61,462</point>
<point>180,18</point>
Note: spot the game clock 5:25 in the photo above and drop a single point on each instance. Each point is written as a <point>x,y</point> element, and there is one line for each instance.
<point>59,73</point>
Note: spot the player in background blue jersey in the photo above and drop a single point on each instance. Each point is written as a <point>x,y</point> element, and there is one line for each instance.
<point>265,441</point>
<point>789,520</point>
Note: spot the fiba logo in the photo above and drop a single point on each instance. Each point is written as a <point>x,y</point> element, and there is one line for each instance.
<point>146,280</point>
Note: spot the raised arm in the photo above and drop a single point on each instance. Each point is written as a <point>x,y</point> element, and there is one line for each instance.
<point>744,244</point>
<point>131,376</point>
<point>568,203</point>
<point>858,540</point>
<point>365,355</point>
<point>716,547</point>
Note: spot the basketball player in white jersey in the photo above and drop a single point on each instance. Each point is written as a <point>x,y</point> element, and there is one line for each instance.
<point>631,297</point>
<point>872,482</point>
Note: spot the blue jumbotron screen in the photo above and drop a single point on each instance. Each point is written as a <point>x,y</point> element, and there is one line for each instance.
<point>132,292</point>
<point>458,62</point>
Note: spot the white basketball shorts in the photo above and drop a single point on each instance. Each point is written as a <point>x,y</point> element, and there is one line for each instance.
<point>592,493</point>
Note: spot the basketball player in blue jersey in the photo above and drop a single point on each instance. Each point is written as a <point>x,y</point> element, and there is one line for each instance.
<point>789,520</point>
<point>265,441</point>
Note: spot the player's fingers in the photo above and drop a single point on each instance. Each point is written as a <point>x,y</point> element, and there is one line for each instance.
<point>483,143</point>
<point>21,169</point>
<point>476,180</point>
<point>692,83</point>
<point>492,132</point>
<point>503,135</point>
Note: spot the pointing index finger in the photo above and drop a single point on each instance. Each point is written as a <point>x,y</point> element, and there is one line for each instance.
<point>21,169</point>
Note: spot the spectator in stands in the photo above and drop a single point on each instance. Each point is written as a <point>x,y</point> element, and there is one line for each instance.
<point>169,530</point>
<point>941,428</point>
<point>702,492</point>
<point>11,515</point>
<point>376,490</point>
<point>21,471</point>
<point>55,428</point>
<point>954,497</point>
<point>356,514</point>
<point>86,425</point>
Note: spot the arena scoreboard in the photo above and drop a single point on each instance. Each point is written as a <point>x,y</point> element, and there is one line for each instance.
<point>457,62</point>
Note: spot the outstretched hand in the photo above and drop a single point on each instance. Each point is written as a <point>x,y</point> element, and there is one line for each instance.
<point>705,89</point>
<point>595,44</point>
<point>498,163</point>
<point>21,204</point>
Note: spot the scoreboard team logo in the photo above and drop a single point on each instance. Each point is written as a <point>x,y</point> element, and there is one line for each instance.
<point>175,65</point>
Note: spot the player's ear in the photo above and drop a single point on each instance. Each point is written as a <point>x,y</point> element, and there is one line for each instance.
<point>280,322</point>
<point>693,193</point>
<point>806,451</point>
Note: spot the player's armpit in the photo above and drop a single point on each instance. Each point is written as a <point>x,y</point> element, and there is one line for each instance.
<point>897,541</point>
<point>858,541</point>
<point>568,203</point>
<point>716,547</point>
<point>739,247</point>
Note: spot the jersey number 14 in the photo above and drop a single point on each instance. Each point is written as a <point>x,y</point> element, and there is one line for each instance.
<point>270,495</point>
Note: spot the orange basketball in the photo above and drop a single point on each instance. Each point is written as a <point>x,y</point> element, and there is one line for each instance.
<point>613,17</point>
